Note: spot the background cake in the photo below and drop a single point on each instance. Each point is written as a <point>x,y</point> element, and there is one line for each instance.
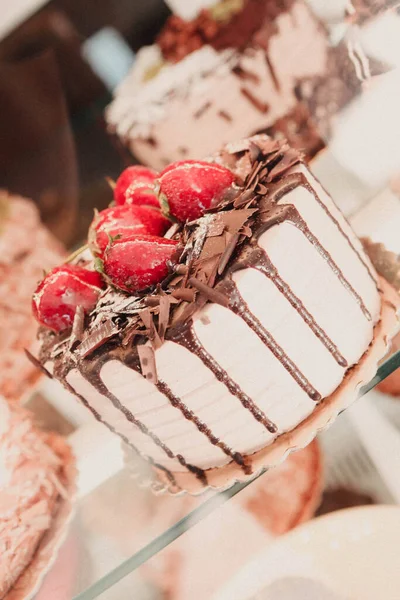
<point>237,69</point>
<point>26,249</point>
<point>247,334</point>
<point>232,74</point>
<point>33,483</point>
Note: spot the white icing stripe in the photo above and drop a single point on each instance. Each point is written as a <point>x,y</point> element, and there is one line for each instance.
<point>118,421</point>
<point>123,380</point>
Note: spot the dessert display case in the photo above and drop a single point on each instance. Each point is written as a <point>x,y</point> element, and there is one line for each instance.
<point>124,539</point>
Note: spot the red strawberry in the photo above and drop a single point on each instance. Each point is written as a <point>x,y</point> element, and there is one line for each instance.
<point>57,297</point>
<point>135,185</point>
<point>191,187</point>
<point>138,261</point>
<point>125,220</point>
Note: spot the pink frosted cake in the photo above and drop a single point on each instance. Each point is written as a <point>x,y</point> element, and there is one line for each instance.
<point>209,343</point>
<point>32,483</point>
<point>26,248</point>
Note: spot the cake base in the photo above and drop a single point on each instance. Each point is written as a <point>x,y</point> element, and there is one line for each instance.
<point>325,413</point>
<point>27,586</point>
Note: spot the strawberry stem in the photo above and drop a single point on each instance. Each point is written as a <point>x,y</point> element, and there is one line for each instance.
<point>111,183</point>
<point>75,254</point>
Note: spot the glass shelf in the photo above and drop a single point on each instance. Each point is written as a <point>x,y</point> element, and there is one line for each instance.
<point>119,526</point>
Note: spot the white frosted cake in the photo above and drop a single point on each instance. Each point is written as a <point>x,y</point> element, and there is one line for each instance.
<point>258,306</point>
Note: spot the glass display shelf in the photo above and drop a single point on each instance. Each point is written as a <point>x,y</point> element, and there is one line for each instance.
<point>119,525</point>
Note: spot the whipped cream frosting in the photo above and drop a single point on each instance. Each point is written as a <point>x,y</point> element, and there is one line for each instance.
<point>230,93</point>
<point>26,249</point>
<point>31,483</point>
<point>269,345</point>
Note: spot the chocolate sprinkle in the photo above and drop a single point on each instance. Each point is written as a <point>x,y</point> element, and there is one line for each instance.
<point>224,115</point>
<point>262,107</point>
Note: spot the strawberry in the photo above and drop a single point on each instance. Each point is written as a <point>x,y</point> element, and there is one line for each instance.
<point>57,297</point>
<point>188,188</point>
<point>135,185</point>
<point>125,220</point>
<point>138,261</point>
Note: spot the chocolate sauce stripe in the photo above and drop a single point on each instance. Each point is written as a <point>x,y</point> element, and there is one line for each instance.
<point>96,381</point>
<point>98,418</point>
<point>189,340</point>
<point>240,308</point>
<point>264,265</point>
<point>288,212</point>
<point>307,185</point>
<point>202,427</point>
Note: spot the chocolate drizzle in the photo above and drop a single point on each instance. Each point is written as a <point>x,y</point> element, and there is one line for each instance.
<point>258,259</point>
<point>187,338</point>
<point>98,418</point>
<point>276,214</point>
<point>240,308</point>
<point>202,427</point>
<point>338,226</point>
<point>94,378</point>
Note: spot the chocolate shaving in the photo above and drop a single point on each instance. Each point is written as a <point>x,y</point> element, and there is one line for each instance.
<point>163,318</point>
<point>289,159</point>
<point>227,253</point>
<point>262,107</point>
<point>101,334</point>
<point>77,328</point>
<point>202,110</point>
<point>36,363</point>
<point>217,226</point>
<point>243,198</point>
<point>210,293</point>
<point>224,115</point>
<point>147,318</point>
<point>152,301</point>
<point>245,75</point>
<point>185,294</point>
<point>261,189</point>
<point>181,269</point>
<point>147,362</point>
<point>254,152</point>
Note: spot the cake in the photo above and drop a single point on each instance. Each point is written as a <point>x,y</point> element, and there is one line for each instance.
<point>26,249</point>
<point>237,69</point>
<point>33,483</point>
<point>219,77</point>
<point>242,330</point>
